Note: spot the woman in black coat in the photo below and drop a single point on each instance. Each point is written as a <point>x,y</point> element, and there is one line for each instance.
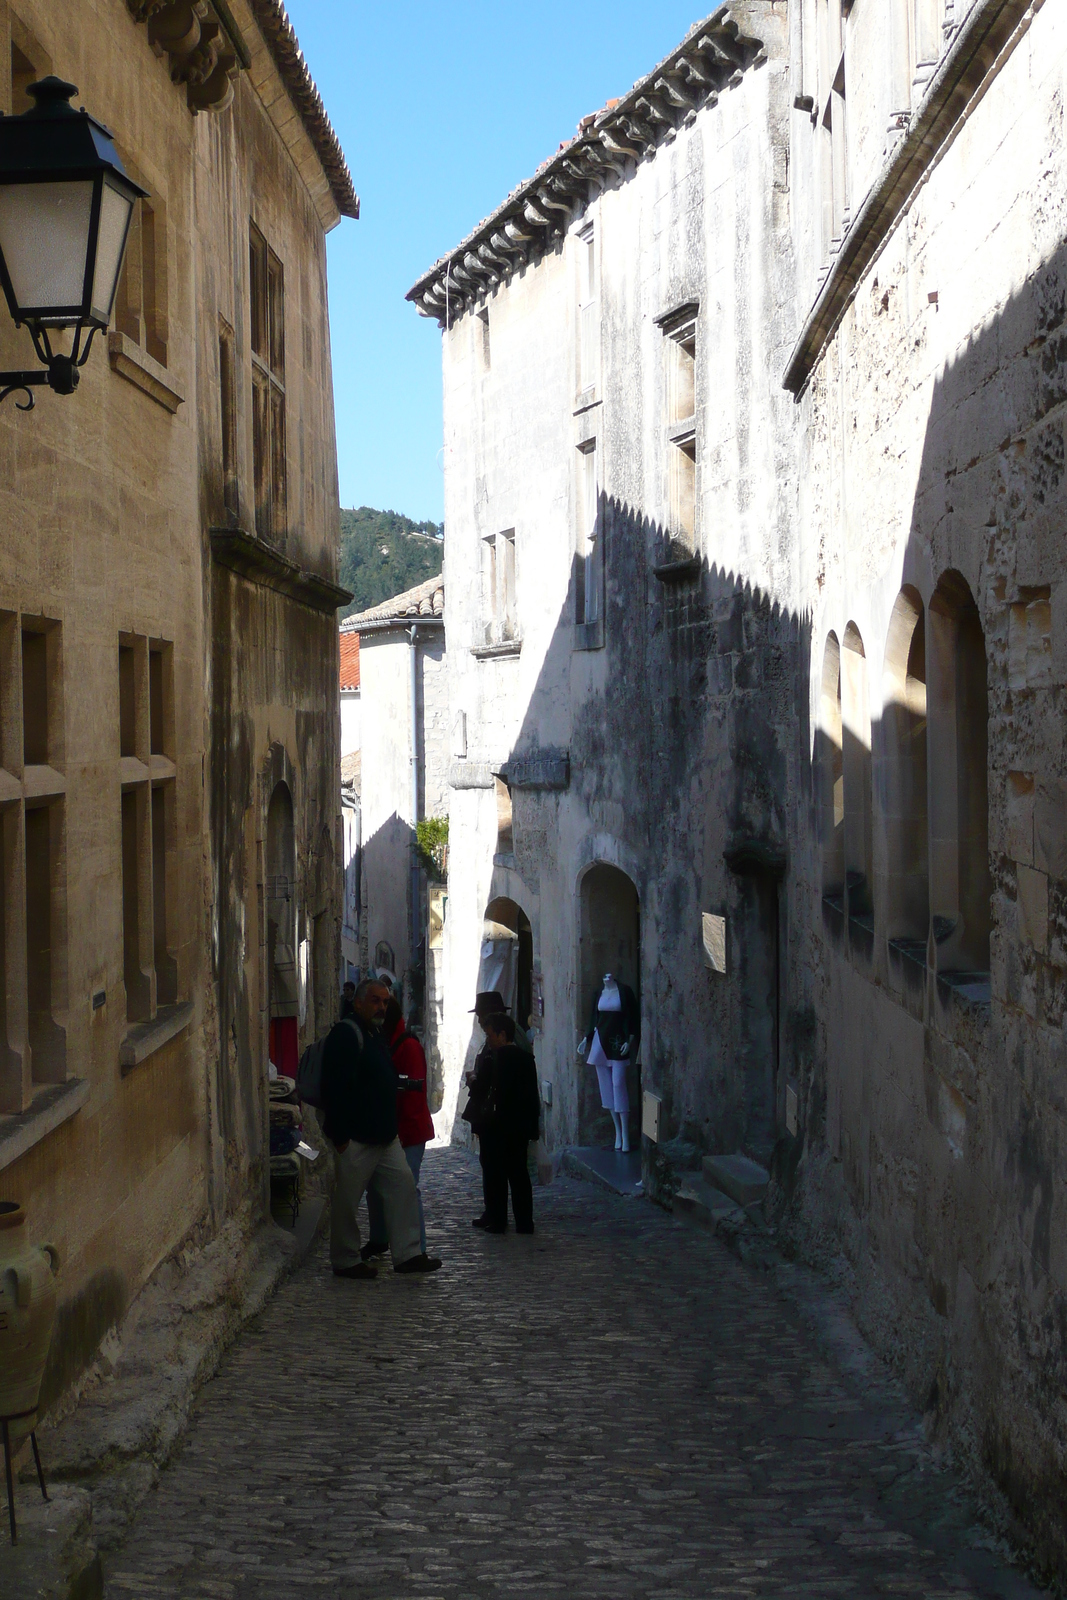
<point>508,1117</point>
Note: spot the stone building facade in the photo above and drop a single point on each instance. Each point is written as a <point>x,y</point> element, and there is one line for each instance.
<point>167,612</point>
<point>619,517</point>
<point>754,462</point>
<point>403,781</point>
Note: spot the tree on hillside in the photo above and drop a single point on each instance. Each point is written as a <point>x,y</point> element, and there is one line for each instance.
<point>383,553</point>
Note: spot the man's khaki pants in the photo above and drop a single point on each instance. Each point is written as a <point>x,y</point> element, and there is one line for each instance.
<point>387,1165</point>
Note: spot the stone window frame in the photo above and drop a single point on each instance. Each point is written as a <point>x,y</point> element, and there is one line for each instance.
<point>142,297</point>
<point>500,588</point>
<point>681,349</point>
<point>266,339</point>
<point>587,310</point>
<point>961,887</point>
<point>919,31</point>
<point>230,488</point>
<point>905,780</point>
<point>588,558</point>
<point>33,936</point>
<point>857,773</point>
<point>932,782</point>
<point>148,828</point>
<point>830,784</point>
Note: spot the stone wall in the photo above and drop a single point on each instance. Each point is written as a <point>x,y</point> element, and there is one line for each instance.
<point>933,484</point>
<point>837,723</point>
<point>143,1120</point>
<point>647,740</point>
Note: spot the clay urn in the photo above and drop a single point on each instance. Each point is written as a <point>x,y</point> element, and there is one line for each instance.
<point>27,1312</point>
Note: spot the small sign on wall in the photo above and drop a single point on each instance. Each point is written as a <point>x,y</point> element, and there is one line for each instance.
<point>713,930</point>
<point>537,1001</point>
<point>650,1109</point>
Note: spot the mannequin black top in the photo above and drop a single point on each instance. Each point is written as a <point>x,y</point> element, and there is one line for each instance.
<point>615,1027</point>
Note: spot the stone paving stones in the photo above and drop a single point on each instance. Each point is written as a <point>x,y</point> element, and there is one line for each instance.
<point>615,1407</point>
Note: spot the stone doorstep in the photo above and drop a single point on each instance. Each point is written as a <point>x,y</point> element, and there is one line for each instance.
<point>104,1457</point>
<point>56,1556</point>
<point>742,1179</point>
<point>703,1202</point>
<point>611,1169</point>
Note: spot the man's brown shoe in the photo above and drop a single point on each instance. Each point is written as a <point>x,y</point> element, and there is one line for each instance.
<point>360,1270</point>
<point>423,1263</point>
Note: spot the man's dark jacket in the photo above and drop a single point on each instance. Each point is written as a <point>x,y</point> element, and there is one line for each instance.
<point>514,1097</point>
<point>358,1086</point>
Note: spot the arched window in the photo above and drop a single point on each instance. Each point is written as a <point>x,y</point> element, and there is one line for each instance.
<point>904,741</point>
<point>856,772</point>
<point>958,710</point>
<point>830,780</point>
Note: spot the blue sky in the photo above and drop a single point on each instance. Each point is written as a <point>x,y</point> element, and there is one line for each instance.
<point>441,109</point>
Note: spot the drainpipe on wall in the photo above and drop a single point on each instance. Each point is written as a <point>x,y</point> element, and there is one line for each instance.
<point>413,657</point>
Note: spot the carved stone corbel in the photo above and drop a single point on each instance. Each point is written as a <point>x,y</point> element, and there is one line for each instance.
<point>546,199</point>
<point>675,94</point>
<point>199,57</point>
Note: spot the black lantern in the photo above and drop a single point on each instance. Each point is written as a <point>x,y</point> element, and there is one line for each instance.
<point>65,208</point>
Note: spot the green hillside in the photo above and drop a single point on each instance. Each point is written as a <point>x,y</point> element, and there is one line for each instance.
<point>384,553</point>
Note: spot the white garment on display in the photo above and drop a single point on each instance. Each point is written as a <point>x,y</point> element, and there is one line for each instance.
<point>499,969</point>
<point>610,998</point>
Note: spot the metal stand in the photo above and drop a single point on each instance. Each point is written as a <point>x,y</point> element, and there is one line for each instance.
<point>5,1422</point>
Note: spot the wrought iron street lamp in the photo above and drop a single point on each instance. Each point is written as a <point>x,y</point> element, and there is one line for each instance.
<point>65,208</point>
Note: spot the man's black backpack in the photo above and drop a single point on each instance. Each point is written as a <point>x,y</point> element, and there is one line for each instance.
<point>309,1072</point>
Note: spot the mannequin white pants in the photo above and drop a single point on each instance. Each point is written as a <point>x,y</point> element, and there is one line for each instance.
<point>614,1095</point>
<point>611,1075</point>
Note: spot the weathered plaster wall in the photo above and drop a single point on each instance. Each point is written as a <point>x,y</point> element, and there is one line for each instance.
<point>934,441</point>
<point>928,441</point>
<point>683,726</point>
<point>106,499</point>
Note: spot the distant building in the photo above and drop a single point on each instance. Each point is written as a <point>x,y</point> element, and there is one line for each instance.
<point>351,821</point>
<point>757,614</point>
<point>350,728</point>
<point>168,558</point>
<point>404,778</point>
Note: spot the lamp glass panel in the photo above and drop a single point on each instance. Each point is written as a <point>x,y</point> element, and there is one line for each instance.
<point>44,235</point>
<point>115,208</point>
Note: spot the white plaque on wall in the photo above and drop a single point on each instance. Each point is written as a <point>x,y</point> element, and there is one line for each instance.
<point>714,934</point>
<point>650,1116</point>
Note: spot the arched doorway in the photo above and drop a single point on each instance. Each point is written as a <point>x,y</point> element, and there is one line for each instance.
<point>280,894</point>
<point>609,941</point>
<point>507,957</point>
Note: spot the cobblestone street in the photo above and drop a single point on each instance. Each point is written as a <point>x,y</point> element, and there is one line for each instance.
<point>614,1407</point>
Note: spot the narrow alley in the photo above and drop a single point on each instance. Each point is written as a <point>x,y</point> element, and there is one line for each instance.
<point>614,1407</point>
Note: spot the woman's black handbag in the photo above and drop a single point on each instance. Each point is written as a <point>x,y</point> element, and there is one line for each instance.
<point>481,1108</point>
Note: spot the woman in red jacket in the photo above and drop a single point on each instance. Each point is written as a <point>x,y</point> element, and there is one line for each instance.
<point>414,1125</point>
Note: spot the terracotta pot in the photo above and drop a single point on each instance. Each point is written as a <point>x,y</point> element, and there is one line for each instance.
<point>27,1312</point>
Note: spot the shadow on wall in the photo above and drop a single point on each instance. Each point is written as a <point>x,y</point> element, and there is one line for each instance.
<point>863,869</point>
<point>689,748</point>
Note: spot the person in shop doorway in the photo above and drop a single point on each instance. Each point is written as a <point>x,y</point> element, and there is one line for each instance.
<point>359,1088</point>
<point>348,999</point>
<point>488,1005</point>
<point>510,1112</point>
<point>413,1121</point>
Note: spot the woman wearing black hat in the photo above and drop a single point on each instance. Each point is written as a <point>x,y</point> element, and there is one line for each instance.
<point>506,1112</point>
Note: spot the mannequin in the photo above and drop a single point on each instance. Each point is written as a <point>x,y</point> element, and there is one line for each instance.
<point>611,1043</point>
